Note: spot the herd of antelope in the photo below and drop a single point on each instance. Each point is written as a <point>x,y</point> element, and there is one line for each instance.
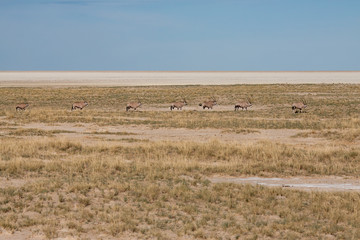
<point>297,107</point>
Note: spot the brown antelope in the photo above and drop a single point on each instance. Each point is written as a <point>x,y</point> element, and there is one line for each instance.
<point>299,106</point>
<point>133,105</point>
<point>178,105</point>
<point>209,104</point>
<point>79,105</point>
<point>21,106</point>
<point>243,105</point>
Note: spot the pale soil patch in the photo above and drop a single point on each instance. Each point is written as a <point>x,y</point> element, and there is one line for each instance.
<point>175,134</point>
<point>61,126</point>
<point>23,235</point>
<point>14,182</point>
<point>27,234</point>
<point>302,183</point>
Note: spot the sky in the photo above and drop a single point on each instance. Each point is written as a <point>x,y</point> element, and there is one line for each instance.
<point>180,35</point>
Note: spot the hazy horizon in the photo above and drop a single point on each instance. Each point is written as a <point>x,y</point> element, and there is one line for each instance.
<point>157,78</point>
<point>178,71</point>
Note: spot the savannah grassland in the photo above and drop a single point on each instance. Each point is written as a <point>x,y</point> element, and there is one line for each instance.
<point>103,173</point>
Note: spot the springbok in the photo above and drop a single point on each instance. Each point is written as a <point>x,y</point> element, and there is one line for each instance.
<point>209,104</point>
<point>178,105</point>
<point>21,106</point>
<point>243,105</point>
<point>79,105</point>
<point>133,105</point>
<point>299,106</point>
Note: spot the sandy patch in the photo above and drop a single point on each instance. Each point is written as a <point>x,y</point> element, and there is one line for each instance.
<point>21,235</point>
<point>90,133</point>
<point>14,182</point>
<point>303,183</point>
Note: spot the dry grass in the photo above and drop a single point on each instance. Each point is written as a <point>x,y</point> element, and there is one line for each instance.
<point>139,188</point>
<point>188,119</point>
<point>35,132</point>
<point>111,133</point>
<point>160,188</point>
<point>213,157</point>
<point>351,135</point>
<point>330,106</point>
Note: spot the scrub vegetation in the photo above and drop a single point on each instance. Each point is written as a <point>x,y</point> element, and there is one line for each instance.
<point>79,174</point>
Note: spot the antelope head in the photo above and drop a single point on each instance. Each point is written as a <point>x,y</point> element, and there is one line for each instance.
<point>185,102</point>
<point>249,101</point>
<point>305,103</point>
<point>214,100</point>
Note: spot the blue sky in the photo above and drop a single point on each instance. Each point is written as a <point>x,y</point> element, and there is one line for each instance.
<point>180,35</point>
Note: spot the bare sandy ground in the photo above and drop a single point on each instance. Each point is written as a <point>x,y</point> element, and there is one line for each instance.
<point>22,235</point>
<point>303,183</point>
<point>144,78</point>
<point>91,133</point>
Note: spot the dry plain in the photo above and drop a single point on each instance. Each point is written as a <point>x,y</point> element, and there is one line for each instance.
<point>157,78</point>
<point>104,173</point>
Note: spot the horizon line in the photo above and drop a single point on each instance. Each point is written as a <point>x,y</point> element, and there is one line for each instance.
<point>175,71</point>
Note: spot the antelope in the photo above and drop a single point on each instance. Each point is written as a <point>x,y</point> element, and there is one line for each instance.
<point>244,104</point>
<point>299,106</point>
<point>133,105</point>
<point>178,105</point>
<point>79,105</point>
<point>209,104</point>
<point>21,106</point>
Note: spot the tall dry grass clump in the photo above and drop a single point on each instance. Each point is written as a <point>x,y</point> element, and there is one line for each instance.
<point>213,157</point>
<point>160,190</point>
